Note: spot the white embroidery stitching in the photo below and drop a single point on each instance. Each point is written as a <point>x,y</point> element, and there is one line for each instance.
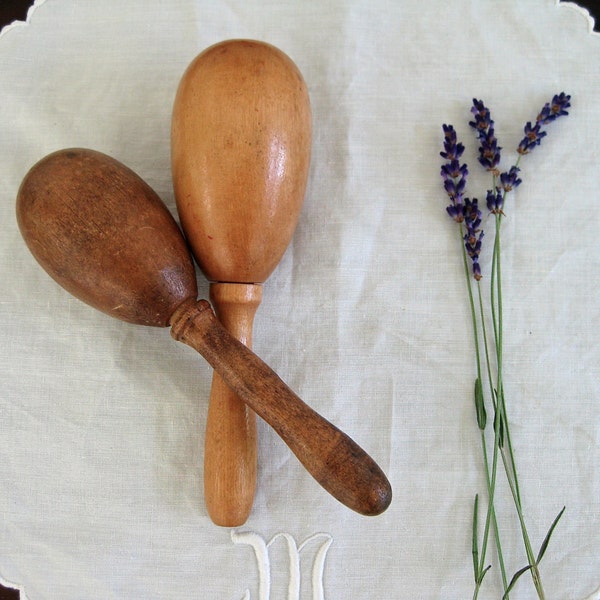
<point>261,552</point>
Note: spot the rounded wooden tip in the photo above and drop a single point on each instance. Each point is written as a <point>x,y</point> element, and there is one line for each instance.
<point>230,457</point>
<point>379,499</point>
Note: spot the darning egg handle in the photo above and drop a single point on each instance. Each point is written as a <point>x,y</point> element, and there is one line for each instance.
<point>342,467</point>
<point>230,447</point>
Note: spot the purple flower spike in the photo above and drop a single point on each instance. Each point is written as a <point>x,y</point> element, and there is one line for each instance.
<point>556,108</point>
<point>509,181</point>
<point>550,112</point>
<point>489,151</point>
<point>474,235</point>
<point>453,173</point>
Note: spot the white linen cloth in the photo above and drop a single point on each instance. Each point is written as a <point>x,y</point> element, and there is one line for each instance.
<point>102,423</point>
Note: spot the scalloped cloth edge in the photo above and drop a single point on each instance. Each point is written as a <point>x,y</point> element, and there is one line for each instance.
<point>16,24</point>
<point>584,12</point>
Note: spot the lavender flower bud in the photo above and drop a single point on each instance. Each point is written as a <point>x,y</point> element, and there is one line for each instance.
<point>489,151</point>
<point>455,188</point>
<point>472,214</point>
<point>495,201</point>
<point>453,169</point>
<point>533,137</point>
<point>510,180</point>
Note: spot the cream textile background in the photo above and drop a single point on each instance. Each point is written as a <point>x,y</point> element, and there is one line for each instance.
<point>102,422</point>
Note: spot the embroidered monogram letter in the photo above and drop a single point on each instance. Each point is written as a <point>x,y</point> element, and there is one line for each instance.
<point>261,552</point>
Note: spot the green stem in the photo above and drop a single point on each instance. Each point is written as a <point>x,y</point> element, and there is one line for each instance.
<point>497,283</point>
<point>471,301</point>
<point>491,485</point>
<point>490,479</point>
<point>492,482</point>
<point>535,573</point>
<point>485,341</point>
<point>509,465</point>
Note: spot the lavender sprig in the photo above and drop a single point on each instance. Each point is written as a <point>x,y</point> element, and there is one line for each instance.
<point>467,214</point>
<point>550,112</point>
<point>461,209</point>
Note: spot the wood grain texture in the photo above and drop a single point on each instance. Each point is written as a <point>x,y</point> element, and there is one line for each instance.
<point>105,236</point>
<point>338,463</point>
<point>230,447</point>
<point>100,231</point>
<point>240,143</point>
<point>241,135</point>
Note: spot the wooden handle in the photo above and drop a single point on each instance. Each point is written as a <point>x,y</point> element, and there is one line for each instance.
<point>230,460</point>
<point>343,468</point>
